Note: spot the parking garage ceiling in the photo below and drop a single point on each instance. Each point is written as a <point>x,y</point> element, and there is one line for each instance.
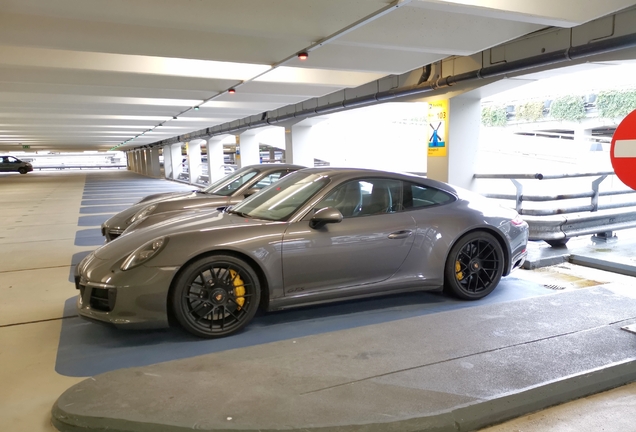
<point>92,74</point>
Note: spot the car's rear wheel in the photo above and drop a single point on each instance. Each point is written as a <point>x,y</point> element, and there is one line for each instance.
<point>216,296</point>
<point>22,170</point>
<point>474,266</point>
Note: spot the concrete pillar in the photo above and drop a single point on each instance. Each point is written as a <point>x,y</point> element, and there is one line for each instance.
<point>194,160</point>
<point>462,143</point>
<point>583,137</point>
<point>137,161</point>
<point>248,148</point>
<point>128,161</point>
<point>144,161</point>
<point>215,156</point>
<point>167,162</point>
<point>154,168</point>
<point>298,145</point>
<point>175,157</point>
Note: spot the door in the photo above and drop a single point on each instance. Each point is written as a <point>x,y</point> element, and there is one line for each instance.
<point>368,246</point>
<point>5,165</point>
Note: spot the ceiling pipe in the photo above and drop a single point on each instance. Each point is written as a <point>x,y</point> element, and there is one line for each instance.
<point>568,54</point>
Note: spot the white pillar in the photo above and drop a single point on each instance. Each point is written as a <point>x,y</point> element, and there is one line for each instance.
<point>167,162</point>
<point>154,170</point>
<point>130,158</point>
<point>249,150</point>
<point>298,146</point>
<point>215,157</point>
<point>194,160</point>
<point>175,157</point>
<point>137,162</point>
<point>145,157</point>
<point>129,165</point>
<point>462,143</point>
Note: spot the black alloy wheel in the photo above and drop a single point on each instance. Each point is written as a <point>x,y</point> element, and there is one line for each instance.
<point>216,296</point>
<point>474,266</point>
<point>22,170</point>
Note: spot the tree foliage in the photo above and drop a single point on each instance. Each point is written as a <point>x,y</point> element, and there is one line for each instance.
<point>568,108</point>
<point>615,104</point>
<point>529,111</point>
<point>493,116</point>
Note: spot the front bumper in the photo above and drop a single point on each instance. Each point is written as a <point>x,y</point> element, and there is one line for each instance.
<point>136,298</point>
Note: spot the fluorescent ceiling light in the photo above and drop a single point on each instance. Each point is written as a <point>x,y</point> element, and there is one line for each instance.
<point>326,77</point>
<point>63,59</point>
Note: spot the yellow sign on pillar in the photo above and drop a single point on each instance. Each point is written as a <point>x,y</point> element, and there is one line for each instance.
<point>438,128</point>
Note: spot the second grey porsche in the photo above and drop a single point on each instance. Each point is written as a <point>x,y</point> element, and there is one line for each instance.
<point>229,190</point>
<point>318,235</point>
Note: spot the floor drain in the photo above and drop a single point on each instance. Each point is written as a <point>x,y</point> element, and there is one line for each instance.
<point>554,287</point>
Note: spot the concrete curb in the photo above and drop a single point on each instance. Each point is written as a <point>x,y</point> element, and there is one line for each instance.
<point>463,418</point>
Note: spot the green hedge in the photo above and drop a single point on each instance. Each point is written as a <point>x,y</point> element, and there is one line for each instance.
<point>568,108</point>
<point>529,111</point>
<point>615,104</point>
<point>493,116</point>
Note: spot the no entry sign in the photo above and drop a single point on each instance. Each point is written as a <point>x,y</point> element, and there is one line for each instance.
<point>623,150</point>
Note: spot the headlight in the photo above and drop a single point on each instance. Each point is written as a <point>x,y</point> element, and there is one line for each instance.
<point>144,253</point>
<point>143,213</point>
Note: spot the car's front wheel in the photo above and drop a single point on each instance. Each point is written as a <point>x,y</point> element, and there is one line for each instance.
<point>474,266</point>
<point>22,170</point>
<point>216,296</point>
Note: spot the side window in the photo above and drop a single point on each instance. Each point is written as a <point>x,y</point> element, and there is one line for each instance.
<point>365,197</point>
<point>418,196</point>
<point>269,179</point>
<point>11,159</point>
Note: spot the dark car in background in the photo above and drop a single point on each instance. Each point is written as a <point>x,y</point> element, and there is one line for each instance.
<point>13,164</point>
<point>229,190</point>
<point>318,235</point>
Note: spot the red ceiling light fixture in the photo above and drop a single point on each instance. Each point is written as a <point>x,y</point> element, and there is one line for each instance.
<point>231,91</point>
<point>303,55</point>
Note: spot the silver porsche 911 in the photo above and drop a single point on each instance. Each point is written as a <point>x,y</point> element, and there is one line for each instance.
<point>318,235</point>
<point>231,189</point>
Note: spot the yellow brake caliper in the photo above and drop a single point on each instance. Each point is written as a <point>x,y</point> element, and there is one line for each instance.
<point>239,288</point>
<point>458,271</point>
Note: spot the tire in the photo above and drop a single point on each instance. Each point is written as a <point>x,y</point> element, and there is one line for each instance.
<point>22,170</point>
<point>207,299</point>
<point>474,266</point>
<point>558,243</point>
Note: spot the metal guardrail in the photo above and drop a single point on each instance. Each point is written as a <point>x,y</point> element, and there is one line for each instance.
<point>80,167</point>
<point>595,218</point>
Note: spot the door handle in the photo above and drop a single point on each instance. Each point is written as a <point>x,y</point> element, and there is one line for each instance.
<point>400,234</point>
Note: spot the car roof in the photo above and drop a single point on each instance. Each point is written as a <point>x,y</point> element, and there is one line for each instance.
<point>277,166</point>
<point>353,173</point>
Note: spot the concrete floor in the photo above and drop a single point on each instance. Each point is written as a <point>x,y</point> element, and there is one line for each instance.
<point>44,230</point>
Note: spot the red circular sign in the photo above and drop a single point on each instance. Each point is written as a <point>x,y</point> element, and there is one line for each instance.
<point>623,150</point>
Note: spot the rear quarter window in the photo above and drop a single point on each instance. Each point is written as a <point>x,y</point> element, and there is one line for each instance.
<point>419,196</point>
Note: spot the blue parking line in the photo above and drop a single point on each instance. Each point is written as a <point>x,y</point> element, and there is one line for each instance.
<point>93,221</point>
<point>89,237</point>
<point>87,349</point>
<point>120,201</point>
<point>103,209</point>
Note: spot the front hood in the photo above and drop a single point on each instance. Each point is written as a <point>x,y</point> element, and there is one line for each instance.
<point>203,221</point>
<point>190,202</point>
<point>121,219</point>
<point>151,199</point>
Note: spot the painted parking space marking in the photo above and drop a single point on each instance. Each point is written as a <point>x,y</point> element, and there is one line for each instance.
<point>88,348</point>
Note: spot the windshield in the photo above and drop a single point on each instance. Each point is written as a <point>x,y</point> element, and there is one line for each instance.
<point>282,199</point>
<point>231,183</point>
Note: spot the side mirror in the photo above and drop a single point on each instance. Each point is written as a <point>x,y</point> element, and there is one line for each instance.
<point>324,216</point>
<point>250,191</point>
